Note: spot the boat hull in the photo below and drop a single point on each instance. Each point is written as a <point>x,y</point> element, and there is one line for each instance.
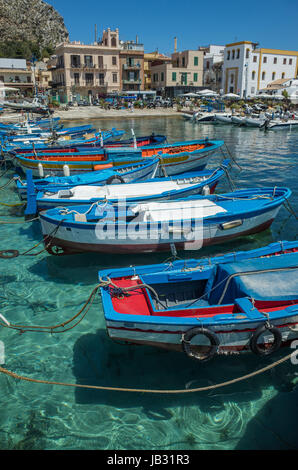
<point>86,240</point>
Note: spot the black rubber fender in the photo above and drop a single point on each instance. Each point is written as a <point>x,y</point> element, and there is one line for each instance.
<point>256,349</point>
<point>190,334</point>
<point>116,178</point>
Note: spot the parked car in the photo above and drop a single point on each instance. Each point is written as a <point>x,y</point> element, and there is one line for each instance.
<point>83,103</point>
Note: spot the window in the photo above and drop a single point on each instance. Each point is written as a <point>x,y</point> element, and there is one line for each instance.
<point>195,77</point>
<point>247,54</point>
<point>114,60</point>
<point>233,54</point>
<point>75,61</point>
<point>155,77</point>
<point>228,55</point>
<point>88,60</point>
<point>196,61</point>
<point>232,78</point>
<point>238,53</point>
<point>273,75</point>
<point>101,78</point>
<point>183,61</point>
<point>275,60</point>
<point>254,58</point>
<point>162,76</point>
<point>290,61</point>
<point>76,78</point>
<point>100,61</point>
<point>264,60</point>
<point>283,75</point>
<point>263,75</point>
<point>113,42</point>
<point>207,65</point>
<point>284,61</point>
<point>253,75</point>
<point>89,78</point>
<point>252,90</point>
<point>115,77</point>
<point>173,76</point>
<point>2,78</point>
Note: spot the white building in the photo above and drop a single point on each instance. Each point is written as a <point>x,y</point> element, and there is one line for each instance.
<point>248,69</point>
<point>276,88</point>
<point>212,68</point>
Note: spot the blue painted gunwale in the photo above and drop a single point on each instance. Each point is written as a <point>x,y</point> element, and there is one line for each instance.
<point>280,194</point>
<point>214,176</point>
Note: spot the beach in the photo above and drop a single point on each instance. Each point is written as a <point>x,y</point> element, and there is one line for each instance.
<point>81,113</point>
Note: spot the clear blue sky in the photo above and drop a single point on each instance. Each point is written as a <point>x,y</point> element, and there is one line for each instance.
<point>273,23</point>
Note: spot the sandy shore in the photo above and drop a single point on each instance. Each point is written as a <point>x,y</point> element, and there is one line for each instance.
<point>93,112</point>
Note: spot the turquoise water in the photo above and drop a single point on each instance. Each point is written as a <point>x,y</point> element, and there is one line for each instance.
<point>259,413</point>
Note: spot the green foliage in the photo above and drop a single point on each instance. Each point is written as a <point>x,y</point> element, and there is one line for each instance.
<point>24,50</point>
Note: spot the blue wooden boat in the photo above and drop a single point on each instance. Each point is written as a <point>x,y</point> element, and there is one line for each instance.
<point>153,189</point>
<point>233,303</point>
<point>152,139</point>
<point>177,157</point>
<point>123,174</point>
<point>186,223</point>
<point>113,134</point>
<point>46,135</point>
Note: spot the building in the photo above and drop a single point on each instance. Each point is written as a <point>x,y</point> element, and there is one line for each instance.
<point>212,68</point>
<point>184,73</point>
<point>108,66</point>
<point>152,58</point>
<point>87,71</point>
<point>279,87</point>
<point>248,69</point>
<point>43,76</point>
<point>16,73</point>
<point>132,66</point>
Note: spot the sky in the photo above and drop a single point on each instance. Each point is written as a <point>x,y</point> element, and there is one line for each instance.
<point>194,23</point>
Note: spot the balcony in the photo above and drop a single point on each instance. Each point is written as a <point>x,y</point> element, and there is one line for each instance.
<point>131,66</point>
<point>132,82</point>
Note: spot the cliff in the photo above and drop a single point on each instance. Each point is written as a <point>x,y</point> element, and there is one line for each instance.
<point>31,20</point>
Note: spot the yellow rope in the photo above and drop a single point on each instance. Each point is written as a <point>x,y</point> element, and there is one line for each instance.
<point>140,390</point>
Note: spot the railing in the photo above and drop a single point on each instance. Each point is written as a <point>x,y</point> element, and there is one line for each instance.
<point>137,80</point>
<point>131,66</point>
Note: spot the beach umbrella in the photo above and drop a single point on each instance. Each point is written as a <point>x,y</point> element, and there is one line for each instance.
<point>231,96</point>
<point>190,95</point>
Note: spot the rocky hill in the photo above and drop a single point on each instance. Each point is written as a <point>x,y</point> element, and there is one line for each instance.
<point>31,20</point>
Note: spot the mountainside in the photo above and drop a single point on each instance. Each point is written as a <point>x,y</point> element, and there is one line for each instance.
<point>33,21</point>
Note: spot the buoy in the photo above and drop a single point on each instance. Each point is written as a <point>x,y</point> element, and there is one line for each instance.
<point>66,171</point>
<point>40,170</point>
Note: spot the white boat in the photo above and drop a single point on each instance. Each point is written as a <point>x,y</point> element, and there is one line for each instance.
<point>223,118</point>
<point>255,122</point>
<point>276,125</point>
<point>205,117</point>
<point>239,120</point>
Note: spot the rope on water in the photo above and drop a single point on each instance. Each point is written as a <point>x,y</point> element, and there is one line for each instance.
<point>47,238</point>
<point>153,391</point>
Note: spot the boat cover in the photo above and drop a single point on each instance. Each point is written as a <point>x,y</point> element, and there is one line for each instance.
<point>272,278</point>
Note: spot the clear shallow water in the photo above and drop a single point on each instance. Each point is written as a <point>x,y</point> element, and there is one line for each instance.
<point>260,413</point>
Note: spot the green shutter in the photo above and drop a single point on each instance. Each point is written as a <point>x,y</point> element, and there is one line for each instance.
<point>195,77</point>
<point>173,76</point>
<point>196,61</point>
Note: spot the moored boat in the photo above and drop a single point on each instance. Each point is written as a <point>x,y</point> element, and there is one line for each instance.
<point>175,158</point>
<point>134,172</point>
<point>188,223</point>
<point>154,189</point>
<point>233,303</point>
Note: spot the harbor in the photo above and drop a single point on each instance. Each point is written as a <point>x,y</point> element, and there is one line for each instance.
<point>47,290</point>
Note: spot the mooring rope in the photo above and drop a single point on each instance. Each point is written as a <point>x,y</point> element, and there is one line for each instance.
<point>144,390</point>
